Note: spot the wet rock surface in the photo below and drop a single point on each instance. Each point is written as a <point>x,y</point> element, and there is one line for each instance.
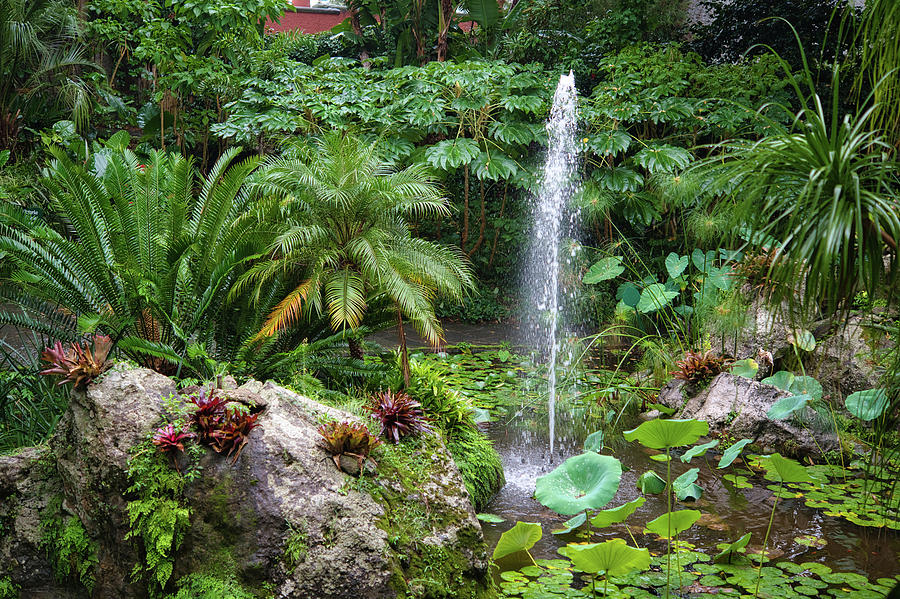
<point>283,521</point>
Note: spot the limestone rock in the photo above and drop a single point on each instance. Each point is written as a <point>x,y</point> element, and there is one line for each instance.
<point>737,406</point>
<point>283,520</point>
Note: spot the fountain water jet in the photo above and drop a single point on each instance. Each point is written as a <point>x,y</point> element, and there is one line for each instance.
<point>553,222</point>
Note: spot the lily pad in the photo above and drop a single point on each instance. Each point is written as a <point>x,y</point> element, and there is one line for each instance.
<point>732,453</point>
<point>662,434</point>
<point>586,481</point>
<point>811,541</point>
<point>520,537</point>
<point>867,405</point>
<point>685,487</point>
<point>604,518</point>
<point>650,482</point>
<point>571,524</point>
<point>699,450</point>
<point>806,385</point>
<point>490,518</point>
<point>670,525</point>
<point>613,558</point>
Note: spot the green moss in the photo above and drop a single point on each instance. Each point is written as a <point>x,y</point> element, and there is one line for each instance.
<point>72,553</point>
<point>478,463</point>
<point>204,586</point>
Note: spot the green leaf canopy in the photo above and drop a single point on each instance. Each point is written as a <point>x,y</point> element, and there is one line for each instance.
<point>586,481</point>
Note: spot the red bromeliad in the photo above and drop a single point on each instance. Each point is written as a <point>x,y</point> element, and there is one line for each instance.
<point>81,364</point>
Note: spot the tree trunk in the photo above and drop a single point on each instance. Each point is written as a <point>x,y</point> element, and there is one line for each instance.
<point>404,352</point>
<point>355,347</point>
<point>445,20</point>
<point>464,237</point>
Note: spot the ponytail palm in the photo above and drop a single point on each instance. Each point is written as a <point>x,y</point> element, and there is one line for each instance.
<point>824,193</point>
<point>147,253</point>
<point>346,242</point>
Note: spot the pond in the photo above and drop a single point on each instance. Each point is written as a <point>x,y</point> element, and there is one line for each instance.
<point>512,389</point>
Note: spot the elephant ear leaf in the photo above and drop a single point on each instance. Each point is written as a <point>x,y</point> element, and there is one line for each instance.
<point>604,270</point>
<point>520,537</point>
<point>655,297</point>
<point>867,405</point>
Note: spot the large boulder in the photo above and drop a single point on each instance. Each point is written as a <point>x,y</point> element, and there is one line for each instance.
<point>736,406</point>
<point>282,521</point>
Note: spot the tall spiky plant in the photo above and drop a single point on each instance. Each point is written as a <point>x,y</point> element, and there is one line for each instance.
<point>145,253</point>
<point>879,47</point>
<point>823,193</point>
<point>345,241</point>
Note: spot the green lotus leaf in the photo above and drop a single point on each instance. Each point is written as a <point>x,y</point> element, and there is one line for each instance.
<point>699,450</point>
<point>490,518</point>
<point>745,368</point>
<point>731,454</point>
<point>613,558</point>
<point>661,457</point>
<point>804,340</point>
<point>785,470</point>
<point>786,406</point>
<point>671,524</point>
<point>731,548</point>
<point>604,270</point>
<point>806,385</point>
<point>586,481</point>
<point>662,434</point>
<point>604,518</point>
<point>571,524</point>
<point>650,482</point>
<point>594,442</point>
<point>781,379</point>
<point>692,492</point>
<point>867,405</point>
<point>686,479</point>
<point>520,537</point>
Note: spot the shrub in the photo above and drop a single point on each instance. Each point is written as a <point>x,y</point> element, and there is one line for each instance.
<point>350,439</point>
<point>81,364</point>
<point>399,415</point>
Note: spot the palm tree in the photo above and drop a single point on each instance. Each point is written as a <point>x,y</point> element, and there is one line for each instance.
<point>146,253</point>
<point>345,241</point>
<point>39,62</point>
<point>823,192</point>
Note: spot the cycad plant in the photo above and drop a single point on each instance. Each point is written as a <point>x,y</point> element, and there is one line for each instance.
<point>40,59</point>
<point>823,194</point>
<point>345,243</point>
<point>143,253</point>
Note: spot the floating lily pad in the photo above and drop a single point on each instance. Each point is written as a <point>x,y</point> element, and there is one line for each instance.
<point>586,481</point>
<point>811,541</point>
<point>490,518</point>
<point>739,482</point>
<point>604,518</point>
<point>520,537</point>
<point>662,434</point>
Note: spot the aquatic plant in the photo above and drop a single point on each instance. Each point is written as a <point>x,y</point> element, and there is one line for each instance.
<point>348,439</point>
<point>586,481</point>
<point>81,364</point>
<point>399,415</point>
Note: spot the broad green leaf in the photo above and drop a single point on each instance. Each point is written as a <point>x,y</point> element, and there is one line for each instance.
<point>520,537</point>
<point>594,441</point>
<point>745,368</point>
<point>785,470</point>
<point>781,379</point>
<point>655,297</point>
<point>481,415</point>
<point>494,166</point>
<point>571,524</point>
<point>731,454</point>
<point>703,261</point>
<point>660,433</point>
<point>730,548</point>
<point>691,492</point>
<point>684,481</point>
<point>662,158</point>
<point>806,385</point>
<point>613,558</point>
<point>503,355</point>
<point>662,409</point>
<point>675,264</point>
<point>586,481</point>
<point>698,451</point>
<point>786,406</point>
<point>628,294</point>
<point>604,518</point>
<point>721,278</point>
<point>490,518</point>
<point>619,179</point>
<point>650,482</point>
<point>669,525</point>
<point>605,269</point>
<point>609,143</point>
<point>661,457</point>
<point>452,153</point>
<point>804,340</point>
<point>867,405</point>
